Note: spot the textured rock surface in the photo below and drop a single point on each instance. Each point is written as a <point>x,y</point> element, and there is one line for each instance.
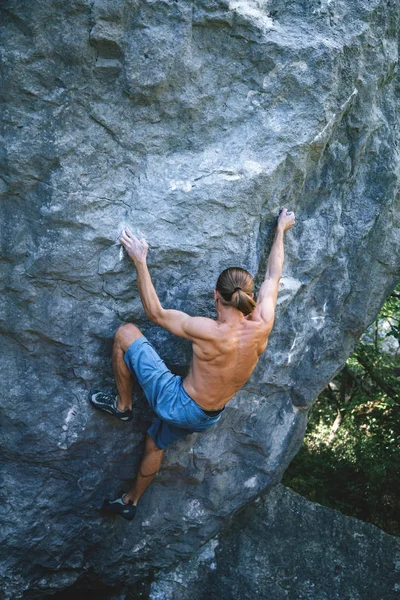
<point>284,547</point>
<point>193,122</point>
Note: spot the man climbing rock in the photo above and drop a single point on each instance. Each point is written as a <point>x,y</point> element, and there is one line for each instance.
<point>225,353</point>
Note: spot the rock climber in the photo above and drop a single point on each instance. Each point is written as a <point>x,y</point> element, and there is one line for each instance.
<point>225,352</point>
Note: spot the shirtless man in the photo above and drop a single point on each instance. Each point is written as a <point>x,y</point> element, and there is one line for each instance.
<point>225,353</point>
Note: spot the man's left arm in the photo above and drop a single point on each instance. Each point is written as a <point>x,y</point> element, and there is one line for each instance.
<point>175,321</point>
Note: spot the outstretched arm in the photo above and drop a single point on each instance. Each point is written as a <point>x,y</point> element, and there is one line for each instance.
<point>266,301</point>
<point>175,321</point>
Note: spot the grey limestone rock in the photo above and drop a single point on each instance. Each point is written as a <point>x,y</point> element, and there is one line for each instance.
<point>284,547</point>
<point>192,122</point>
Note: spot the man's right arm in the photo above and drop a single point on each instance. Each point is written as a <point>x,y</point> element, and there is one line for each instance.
<point>175,321</point>
<point>268,294</point>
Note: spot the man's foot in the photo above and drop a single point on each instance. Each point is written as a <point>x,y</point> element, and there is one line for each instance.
<point>118,507</point>
<point>109,404</point>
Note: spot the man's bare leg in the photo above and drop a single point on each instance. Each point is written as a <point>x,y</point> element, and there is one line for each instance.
<point>149,467</point>
<point>152,458</point>
<point>124,337</point>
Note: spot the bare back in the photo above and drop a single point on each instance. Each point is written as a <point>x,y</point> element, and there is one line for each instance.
<point>222,365</point>
<point>225,351</point>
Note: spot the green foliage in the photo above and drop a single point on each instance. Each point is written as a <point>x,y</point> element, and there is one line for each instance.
<point>350,459</point>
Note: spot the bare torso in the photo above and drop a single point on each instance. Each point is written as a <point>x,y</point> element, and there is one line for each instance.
<point>225,351</point>
<point>222,365</point>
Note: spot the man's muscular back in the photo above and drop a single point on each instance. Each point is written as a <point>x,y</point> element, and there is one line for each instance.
<point>222,364</point>
<point>225,351</point>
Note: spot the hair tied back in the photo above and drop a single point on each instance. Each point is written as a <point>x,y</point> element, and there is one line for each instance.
<point>238,280</point>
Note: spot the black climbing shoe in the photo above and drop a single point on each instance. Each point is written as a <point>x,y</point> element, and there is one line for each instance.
<point>118,507</point>
<point>108,403</point>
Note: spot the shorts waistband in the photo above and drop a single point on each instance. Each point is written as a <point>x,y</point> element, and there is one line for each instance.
<point>209,413</point>
<point>212,413</point>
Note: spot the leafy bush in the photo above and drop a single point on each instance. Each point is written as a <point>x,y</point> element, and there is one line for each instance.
<point>350,459</point>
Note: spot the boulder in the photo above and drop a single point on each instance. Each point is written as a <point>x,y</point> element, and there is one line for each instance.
<point>193,123</point>
<point>284,547</point>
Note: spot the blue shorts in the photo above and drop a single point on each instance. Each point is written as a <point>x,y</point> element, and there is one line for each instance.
<point>177,413</point>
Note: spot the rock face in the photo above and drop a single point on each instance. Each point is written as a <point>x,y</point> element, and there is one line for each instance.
<point>192,122</point>
<point>284,547</point>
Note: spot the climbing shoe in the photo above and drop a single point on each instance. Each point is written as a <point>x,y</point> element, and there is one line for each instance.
<point>108,403</point>
<point>118,507</point>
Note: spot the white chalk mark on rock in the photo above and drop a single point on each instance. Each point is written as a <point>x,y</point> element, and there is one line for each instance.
<point>253,167</point>
<point>251,10</point>
<point>68,437</point>
<point>291,348</point>
<point>178,184</point>
<point>195,509</point>
<point>251,483</point>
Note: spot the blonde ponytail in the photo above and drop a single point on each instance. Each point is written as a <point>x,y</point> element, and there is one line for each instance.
<point>235,286</point>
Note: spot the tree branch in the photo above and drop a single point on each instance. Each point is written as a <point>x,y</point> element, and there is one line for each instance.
<point>376,378</point>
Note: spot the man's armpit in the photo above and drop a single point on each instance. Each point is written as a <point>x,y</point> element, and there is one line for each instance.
<point>265,312</point>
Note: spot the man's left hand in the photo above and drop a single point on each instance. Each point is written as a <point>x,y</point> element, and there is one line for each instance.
<point>136,249</point>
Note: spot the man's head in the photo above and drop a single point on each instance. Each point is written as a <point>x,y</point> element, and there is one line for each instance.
<point>235,288</point>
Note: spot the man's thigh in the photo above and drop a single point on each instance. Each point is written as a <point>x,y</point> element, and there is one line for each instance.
<point>151,371</point>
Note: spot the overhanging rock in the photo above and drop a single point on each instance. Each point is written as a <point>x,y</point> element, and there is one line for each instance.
<point>192,122</point>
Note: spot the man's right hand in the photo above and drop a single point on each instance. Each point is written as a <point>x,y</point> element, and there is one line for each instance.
<point>286,219</point>
<point>136,249</point>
